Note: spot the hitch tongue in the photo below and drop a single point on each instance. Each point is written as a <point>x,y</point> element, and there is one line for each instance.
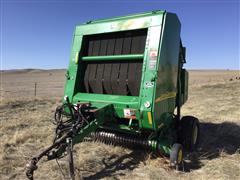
<point>70,158</point>
<point>81,121</point>
<point>30,168</point>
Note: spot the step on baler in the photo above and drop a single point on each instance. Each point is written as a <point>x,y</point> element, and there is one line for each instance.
<point>125,85</point>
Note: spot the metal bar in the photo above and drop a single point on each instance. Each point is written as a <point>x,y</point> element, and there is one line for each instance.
<point>113,57</point>
<point>70,158</point>
<point>126,17</point>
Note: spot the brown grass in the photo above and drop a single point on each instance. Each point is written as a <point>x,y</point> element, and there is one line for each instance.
<point>25,129</point>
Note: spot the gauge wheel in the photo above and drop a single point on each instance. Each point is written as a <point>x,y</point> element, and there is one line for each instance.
<point>189,132</point>
<point>176,156</point>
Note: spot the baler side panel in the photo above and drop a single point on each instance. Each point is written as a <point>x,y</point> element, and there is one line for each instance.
<point>73,72</point>
<point>148,76</point>
<point>166,89</point>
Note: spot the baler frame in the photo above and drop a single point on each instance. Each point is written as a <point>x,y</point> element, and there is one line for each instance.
<point>139,114</point>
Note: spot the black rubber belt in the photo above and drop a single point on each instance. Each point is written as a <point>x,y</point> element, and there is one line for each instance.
<point>135,69</point>
<point>94,67</point>
<point>99,75</point>
<point>86,77</point>
<point>100,68</point>
<point>122,80</point>
<point>138,78</point>
<point>116,67</point>
<point>108,68</point>
<point>87,71</point>
<point>123,75</point>
<point>115,77</point>
<point>132,78</point>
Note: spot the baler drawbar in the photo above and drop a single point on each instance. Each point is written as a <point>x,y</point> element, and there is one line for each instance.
<point>124,82</point>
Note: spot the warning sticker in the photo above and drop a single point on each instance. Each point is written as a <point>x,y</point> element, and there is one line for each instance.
<point>129,113</point>
<point>153,55</point>
<point>152,64</point>
<point>152,59</point>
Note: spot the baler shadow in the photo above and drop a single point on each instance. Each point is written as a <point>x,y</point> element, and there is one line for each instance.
<point>214,139</point>
<point>115,166</point>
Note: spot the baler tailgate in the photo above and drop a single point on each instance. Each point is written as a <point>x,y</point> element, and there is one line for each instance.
<point>113,62</point>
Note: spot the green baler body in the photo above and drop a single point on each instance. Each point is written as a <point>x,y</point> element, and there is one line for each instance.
<point>153,106</point>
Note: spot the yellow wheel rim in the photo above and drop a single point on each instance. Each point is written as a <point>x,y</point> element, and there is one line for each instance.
<point>195,135</point>
<point>180,156</point>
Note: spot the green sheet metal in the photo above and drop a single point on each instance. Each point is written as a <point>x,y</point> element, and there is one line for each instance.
<point>159,70</point>
<point>113,57</point>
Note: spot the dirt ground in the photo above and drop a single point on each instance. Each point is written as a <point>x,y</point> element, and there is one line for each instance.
<point>26,128</point>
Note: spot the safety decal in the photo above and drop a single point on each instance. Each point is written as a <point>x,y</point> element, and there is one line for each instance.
<point>129,113</point>
<point>152,59</point>
<point>153,55</point>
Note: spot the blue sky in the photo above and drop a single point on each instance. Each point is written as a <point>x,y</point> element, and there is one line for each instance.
<point>38,33</point>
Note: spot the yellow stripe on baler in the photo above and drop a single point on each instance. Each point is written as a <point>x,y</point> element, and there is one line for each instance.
<point>76,57</point>
<point>165,96</point>
<point>150,118</point>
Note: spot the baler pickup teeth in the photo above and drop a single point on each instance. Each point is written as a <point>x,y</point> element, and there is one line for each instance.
<point>121,139</point>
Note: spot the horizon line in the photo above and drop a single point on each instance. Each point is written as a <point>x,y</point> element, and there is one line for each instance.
<point>49,69</point>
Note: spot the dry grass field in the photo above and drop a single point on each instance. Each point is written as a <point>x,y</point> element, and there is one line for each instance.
<point>26,128</point>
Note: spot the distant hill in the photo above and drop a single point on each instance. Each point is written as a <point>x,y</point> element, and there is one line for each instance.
<point>29,70</point>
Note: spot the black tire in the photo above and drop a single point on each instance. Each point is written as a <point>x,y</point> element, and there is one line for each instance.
<point>189,132</point>
<point>176,156</point>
